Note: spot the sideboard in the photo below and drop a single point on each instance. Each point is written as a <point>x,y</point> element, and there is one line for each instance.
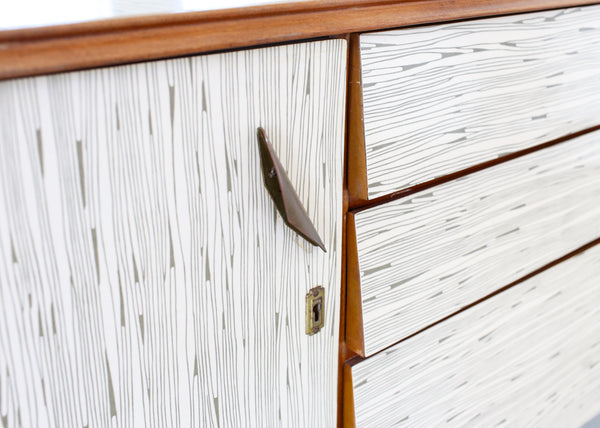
<point>352,213</point>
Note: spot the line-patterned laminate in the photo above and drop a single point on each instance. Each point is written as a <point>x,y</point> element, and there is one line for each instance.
<point>439,99</point>
<point>529,356</point>
<point>427,255</point>
<point>146,278</point>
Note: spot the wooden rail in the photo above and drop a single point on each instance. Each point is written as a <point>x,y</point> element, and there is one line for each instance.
<point>29,52</point>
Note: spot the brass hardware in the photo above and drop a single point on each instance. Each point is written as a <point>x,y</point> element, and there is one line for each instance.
<point>285,197</point>
<point>315,310</point>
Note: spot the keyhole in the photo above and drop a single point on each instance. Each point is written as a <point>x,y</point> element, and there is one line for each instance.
<point>317,312</point>
<point>314,310</point>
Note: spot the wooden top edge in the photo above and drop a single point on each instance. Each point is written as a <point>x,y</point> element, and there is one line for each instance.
<point>181,18</point>
<point>43,50</point>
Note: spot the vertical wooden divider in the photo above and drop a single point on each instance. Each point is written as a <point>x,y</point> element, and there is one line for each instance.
<point>345,353</point>
<point>354,321</point>
<point>348,404</point>
<point>357,161</point>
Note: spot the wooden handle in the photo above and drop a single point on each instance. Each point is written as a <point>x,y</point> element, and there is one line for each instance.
<point>285,197</point>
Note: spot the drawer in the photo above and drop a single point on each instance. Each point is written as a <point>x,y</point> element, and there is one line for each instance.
<point>146,276</point>
<point>439,99</point>
<point>422,257</point>
<point>528,356</point>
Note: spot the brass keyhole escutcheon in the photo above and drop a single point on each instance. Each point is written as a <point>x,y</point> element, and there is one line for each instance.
<point>315,310</point>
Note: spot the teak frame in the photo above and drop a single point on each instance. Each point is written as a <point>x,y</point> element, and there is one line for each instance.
<point>29,52</point>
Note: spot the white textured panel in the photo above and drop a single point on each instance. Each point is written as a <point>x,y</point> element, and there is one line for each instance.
<point>427,255</point>
<point>527,357</point>
<point>145,277</point>
<point>438,99</point>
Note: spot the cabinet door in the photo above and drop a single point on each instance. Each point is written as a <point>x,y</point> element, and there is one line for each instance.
<point>146,278</point>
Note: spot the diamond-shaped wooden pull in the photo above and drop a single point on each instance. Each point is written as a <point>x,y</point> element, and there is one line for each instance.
<point>285,197</point>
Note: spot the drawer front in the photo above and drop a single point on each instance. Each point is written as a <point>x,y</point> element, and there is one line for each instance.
<point>528,356</point>
<point>146,277</point>
<point>439,99</point>
<point>425,256</point>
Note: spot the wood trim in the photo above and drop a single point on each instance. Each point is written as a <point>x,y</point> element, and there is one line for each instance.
<point>354,321</point>
<point>357,157</point>
<point>118,41</point>
<point>349,419</point>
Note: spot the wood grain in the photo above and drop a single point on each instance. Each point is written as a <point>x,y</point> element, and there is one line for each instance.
<point>146,278</point>
<point>354,334</point>
<point>430,254</point>
<point>357,158</point>
<point>348,399</point>
<point>440,99</point>
<point>95,44</point>
<point>526,357</point>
